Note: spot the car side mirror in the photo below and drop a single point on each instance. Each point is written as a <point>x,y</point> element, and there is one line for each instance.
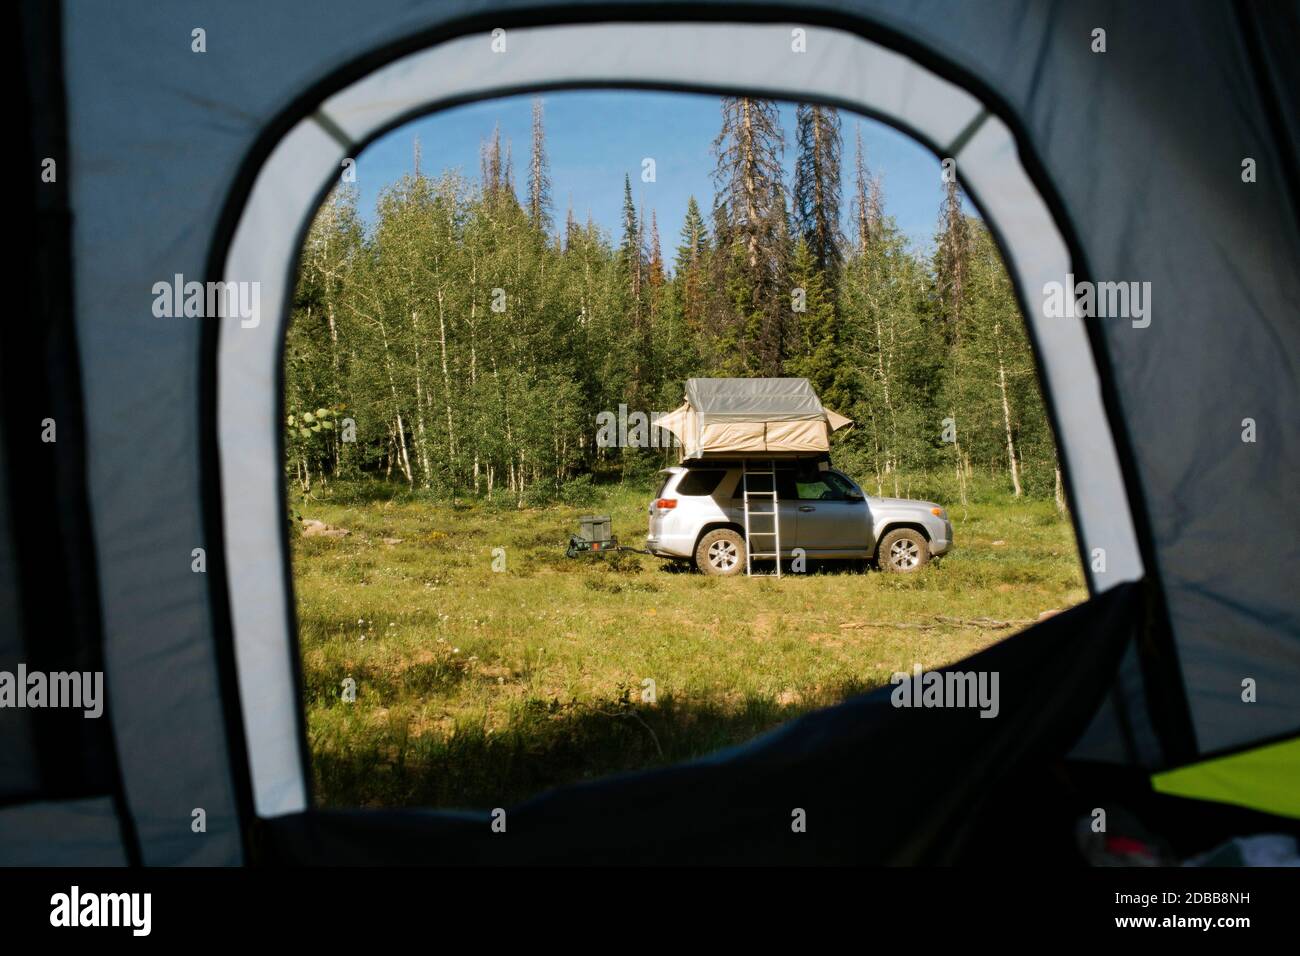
<point>856,496</point>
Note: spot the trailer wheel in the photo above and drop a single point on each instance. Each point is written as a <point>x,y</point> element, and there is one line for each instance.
<point>721,553</point>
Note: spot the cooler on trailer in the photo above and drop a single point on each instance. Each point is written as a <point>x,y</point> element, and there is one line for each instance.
<point>594,534</point>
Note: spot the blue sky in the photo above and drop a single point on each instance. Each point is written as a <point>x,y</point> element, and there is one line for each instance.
<point>594,137</point>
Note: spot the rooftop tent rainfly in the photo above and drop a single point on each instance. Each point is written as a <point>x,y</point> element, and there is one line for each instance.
<point>752,416</point>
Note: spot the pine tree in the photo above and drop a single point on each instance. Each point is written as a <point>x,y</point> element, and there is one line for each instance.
<point>508,177</point>
<point>630,249</point>
<point>694,245</point>
<point>631,259</point>
<point>817,185</point>
<point>752,230</point>
<point>690,269</point>
<point>539,176</point>
<point>821,359</point>
<point>490,175</point>
<point>655,262</point>
<point>867,208</point>
<point>570,227</point>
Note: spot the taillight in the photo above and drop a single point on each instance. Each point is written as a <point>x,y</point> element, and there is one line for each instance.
<point>666,504</point>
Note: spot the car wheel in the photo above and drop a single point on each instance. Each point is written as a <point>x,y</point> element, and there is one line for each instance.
<point>721,553</point>
<point>903,551</point>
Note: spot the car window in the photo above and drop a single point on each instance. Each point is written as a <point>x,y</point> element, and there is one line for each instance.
<point>817,489</point>
<point>699,483</point>
<point>663,485</point>
<point>816,485</point>
<point>845,487</point>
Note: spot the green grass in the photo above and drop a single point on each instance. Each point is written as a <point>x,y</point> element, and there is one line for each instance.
<point>478,688</point>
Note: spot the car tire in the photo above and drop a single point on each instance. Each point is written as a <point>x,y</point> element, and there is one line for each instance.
<point>721,553</point>
<point>903,551</point>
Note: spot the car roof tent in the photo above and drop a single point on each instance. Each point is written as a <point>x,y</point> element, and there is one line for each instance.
<point>751,417</point>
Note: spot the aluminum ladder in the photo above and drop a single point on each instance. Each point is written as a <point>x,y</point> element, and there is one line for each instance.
<point>752,536</point>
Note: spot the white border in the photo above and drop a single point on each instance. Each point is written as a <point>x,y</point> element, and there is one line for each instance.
<point>837,67</point>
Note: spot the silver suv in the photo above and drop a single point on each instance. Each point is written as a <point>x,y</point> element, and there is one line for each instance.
<point>698,515</point>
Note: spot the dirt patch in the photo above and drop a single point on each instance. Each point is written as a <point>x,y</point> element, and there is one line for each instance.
<point>311,528</point>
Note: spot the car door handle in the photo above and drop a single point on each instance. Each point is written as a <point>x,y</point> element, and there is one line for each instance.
<point>807,508</point>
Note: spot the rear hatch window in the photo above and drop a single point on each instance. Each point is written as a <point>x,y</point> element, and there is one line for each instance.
<point>700,482</point>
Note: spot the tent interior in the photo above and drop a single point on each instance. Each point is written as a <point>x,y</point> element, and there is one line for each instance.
<point>148,541</point>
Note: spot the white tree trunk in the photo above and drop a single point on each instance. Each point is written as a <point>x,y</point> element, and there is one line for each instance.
<point>421,440</point>
<point>1060,488</point>
<point>1006,415</point>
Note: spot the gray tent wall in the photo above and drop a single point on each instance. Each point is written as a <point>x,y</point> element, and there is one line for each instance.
<point>1139,150</point>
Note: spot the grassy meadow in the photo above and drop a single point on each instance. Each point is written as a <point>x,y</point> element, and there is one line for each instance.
<point>478,687</point>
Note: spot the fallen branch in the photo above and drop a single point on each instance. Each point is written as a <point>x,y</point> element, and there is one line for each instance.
<point>984,623</point>
<point>900,627</point>
<point>981,623</point>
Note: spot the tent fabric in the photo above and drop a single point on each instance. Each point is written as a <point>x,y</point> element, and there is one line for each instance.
<point>62,833</point>
<point>837,421</point>
<point>796,436</point>
<point>754,400</point>
<point>1266,778</point>
<point>19,773</point>
<point>729,416</point>
<point>51,758</point>
<point>161,150</point>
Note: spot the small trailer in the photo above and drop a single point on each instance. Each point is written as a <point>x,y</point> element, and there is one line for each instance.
<point>593,535</point>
